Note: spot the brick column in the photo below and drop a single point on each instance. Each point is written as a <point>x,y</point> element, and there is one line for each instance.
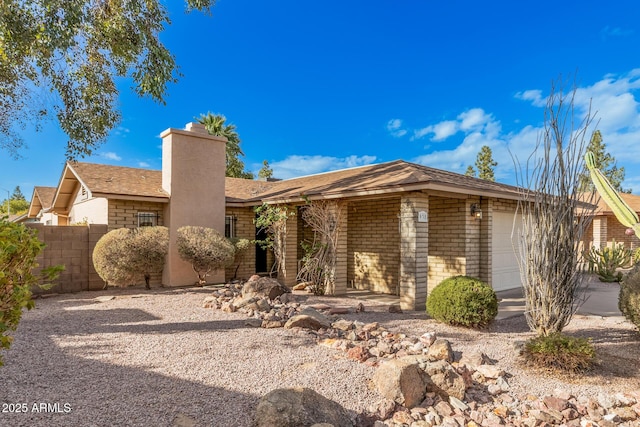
<point>341,262</point>
<point>600,231</point>
<point>414,250</point>
<point>486,256</point>
<point>290,252</point>
<point>472,240</point>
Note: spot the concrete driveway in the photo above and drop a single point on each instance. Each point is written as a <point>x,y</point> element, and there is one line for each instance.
<point>601,300</point>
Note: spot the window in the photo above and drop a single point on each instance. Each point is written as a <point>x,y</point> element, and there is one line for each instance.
<point>229,226</point>
<point>147,219</point>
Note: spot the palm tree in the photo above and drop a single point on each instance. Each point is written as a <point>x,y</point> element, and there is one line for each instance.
<point>215,124</point>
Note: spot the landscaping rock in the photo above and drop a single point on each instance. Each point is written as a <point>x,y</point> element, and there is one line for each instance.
<point>297,407</point>
<point>310,319</point>
<point>264,287</point>
<point>440,350</point>
<point>395,308</point>
<point>443,380</point>
<point>401,381</point>
<point>253,322</point>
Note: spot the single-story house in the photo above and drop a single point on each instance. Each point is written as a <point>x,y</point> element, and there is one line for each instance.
<point>606,228</point>
<point>40,207</point>
<point>405,227</point>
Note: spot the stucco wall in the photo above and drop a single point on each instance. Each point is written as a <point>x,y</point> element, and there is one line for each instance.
<point>373,245</point>
<point>91,211</point>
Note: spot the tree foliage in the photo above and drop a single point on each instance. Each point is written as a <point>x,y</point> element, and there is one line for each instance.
<point>606,163</point>
<point>75,50</point>
<point>19,247</point>
<point>266,171</point>
<point>216,125</point>
<point>16,203</point>
<point>273,220</point>
<point>470,171</point>
<point>205,249</point>
<point>485,164</point>
<point>550,233</point>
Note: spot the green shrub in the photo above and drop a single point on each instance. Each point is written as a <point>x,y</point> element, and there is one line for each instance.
<point>606,261</point>
<point>125,255</point>
<point>19,247</point>
<point>148,248</point>
<point>560,353</point>
<point>240,249</point>
<point>463,301</point>
<point>629,297</point>
<point>111,258</point>
<point>205,249</point>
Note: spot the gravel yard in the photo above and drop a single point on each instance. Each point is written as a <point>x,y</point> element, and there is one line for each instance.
<point>157,358</point>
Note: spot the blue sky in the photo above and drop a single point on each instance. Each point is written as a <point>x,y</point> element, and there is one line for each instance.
<point>317,86</point>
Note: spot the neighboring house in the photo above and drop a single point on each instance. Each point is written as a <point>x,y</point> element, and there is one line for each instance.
<point>405,226</point>
<point>606,228</point>
<point>40,207</point>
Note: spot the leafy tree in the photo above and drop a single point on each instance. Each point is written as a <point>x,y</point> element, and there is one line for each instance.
<point>485,164</point>
<point>17,204</point>
<point>606,163</point>
<point>19,247</point>
<point>17,194</point>
<point>470,171</point>
<point>266,172</point>
<point>215,124</point>
<point>205,249</point>
<point>76,50</point>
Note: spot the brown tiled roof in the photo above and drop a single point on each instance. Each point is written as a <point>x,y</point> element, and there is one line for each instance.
<point>119,180</point>
<point>46,195</point>
<point>240,190</point>
<point>384,177</point>
<point>372,179</point>
<point>631,199</point>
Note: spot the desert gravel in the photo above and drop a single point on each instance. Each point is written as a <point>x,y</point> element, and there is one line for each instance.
<point>157,358</point>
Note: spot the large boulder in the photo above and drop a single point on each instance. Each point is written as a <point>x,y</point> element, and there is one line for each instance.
<point>309,319</point>
<point>443,380</point>
<point>401,380</point>
<point>299,407</point>
<point>263,287</point>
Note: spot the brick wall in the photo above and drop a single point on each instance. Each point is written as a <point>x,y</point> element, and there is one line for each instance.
<point>124,213</point>
<point>605,230</point>
<point>244,229</point>
<point>71,246</point>
<point>447,234</point>
<point>373,245</point>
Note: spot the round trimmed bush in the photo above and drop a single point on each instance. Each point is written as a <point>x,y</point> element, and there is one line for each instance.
<point>463,301</point>
<point>629,297</point>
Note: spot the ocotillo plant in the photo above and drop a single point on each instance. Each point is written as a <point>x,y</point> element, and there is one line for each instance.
<point>620,208</point>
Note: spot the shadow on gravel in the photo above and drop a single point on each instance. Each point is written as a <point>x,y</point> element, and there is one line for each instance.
<point>103,394</point>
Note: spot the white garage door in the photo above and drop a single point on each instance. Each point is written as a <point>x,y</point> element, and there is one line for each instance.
<point>506,274</point>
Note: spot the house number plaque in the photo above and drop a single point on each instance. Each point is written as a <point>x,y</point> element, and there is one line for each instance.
<point>422,216</point>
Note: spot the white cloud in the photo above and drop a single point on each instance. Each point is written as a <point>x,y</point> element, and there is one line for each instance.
<point>474,119</point>
<point>535,96</point>
<point>394,126</point>
<point>110,155</point>
<point>143,165</point>
<point>300,165</point>
<point>614,101</point>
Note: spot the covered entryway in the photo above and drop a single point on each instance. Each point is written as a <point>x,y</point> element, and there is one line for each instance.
<point>504,265</point>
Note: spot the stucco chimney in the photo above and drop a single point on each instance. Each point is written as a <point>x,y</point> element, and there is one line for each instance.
<point>193,173</point>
